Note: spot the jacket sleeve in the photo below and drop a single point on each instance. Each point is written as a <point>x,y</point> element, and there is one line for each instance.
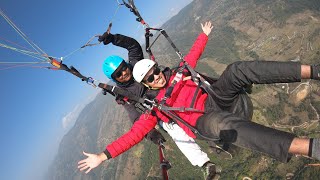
<point>196,50</point>
<point>134,115</point>
<point>132,112</point>
<point>137,132</point>
<point>135,52</point>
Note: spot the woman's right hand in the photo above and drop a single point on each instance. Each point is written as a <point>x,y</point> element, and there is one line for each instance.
<point>92,161</point>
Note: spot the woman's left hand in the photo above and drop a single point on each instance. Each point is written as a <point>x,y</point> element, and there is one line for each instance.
<point>207,27</point>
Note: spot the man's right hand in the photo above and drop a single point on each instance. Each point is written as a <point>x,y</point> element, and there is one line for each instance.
<point>106,38</point>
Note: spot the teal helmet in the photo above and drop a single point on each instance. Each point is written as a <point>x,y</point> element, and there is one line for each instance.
<point>110,65</point>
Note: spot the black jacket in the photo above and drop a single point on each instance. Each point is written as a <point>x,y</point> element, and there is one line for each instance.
<point>135,54</point>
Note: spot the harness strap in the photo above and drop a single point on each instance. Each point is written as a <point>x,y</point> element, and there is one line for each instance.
<point>204,83</point>
<point>175,118</point>
<point>180,109</point>
<point>195,95</point>
<point>164,33</point>
<point>175,80</point>
<point>121,92</point>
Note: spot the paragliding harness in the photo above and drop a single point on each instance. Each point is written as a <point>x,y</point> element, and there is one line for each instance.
<point>201,81</point>
<point>145,104</point>
<point>196,78</point>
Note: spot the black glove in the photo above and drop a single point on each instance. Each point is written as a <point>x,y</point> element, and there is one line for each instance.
<point>155,136</point>
<point>120,100</point>
<point>105,91</point>
<point>106,38</point>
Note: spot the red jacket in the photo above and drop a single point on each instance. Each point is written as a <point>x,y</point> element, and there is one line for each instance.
<point>182,95</point>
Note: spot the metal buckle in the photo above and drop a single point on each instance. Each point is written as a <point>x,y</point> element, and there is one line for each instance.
<point>91,81</point>
<point>151,104</point>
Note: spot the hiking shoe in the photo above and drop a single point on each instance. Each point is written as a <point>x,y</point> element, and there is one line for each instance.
<point>211,171</point>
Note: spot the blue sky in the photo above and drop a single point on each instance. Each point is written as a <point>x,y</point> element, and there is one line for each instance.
<point>34,102</point>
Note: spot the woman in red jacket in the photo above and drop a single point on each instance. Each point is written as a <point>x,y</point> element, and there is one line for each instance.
<point>140,128</point>
<point>221,117</point>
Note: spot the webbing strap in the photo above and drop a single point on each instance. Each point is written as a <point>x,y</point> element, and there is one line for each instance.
<point>195,95</point>
<point>175,118</point>
<point>175,80</point>
<point>180,109</point>
<point>121,92</point>
<point>204,83</point>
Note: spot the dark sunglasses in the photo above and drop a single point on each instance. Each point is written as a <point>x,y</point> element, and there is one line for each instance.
<point>150,78</point>
<point>120,69</point>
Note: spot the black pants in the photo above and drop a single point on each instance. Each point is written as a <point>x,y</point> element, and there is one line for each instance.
<point>224,118</point>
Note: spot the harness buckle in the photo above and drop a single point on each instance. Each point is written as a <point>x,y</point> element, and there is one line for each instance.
<point>149,104</point>
<point>182,109</point>
<point>91,82</point>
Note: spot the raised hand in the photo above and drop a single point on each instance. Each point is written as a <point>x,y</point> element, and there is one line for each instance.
<point>207,27</point>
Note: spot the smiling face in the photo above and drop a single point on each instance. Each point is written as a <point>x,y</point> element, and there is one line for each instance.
<point>155,78</point>
<point>123,73</point>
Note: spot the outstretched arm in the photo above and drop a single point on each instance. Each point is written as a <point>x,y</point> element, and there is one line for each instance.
<point>92,161</point>
<point>135,52</point>
<point>199,45</point>
<point>139,129</point>
<point>153,135</point>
